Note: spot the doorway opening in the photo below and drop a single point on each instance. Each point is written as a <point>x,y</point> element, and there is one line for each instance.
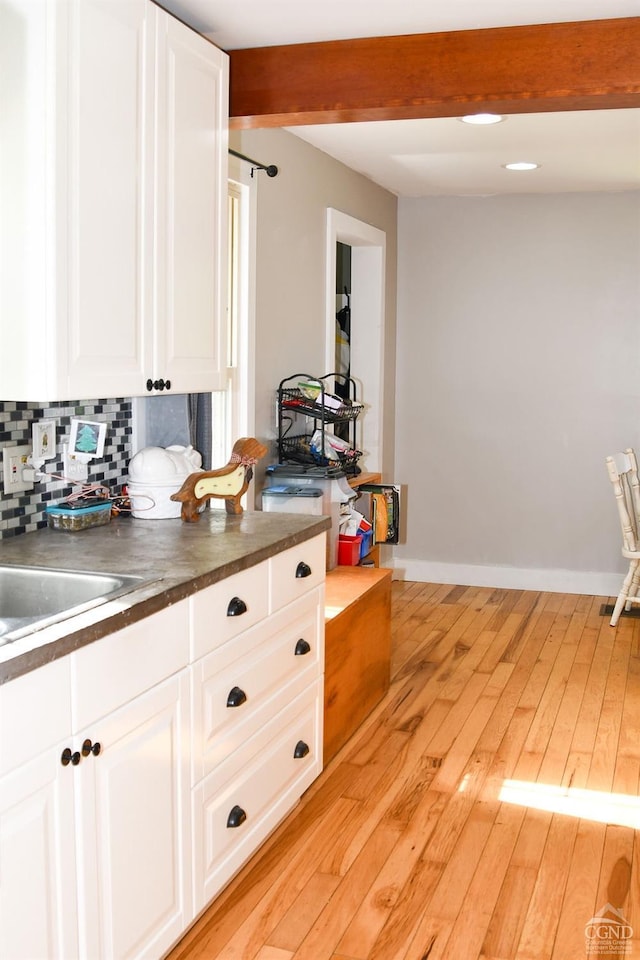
<point>342,364</point>
<point>357,250</point>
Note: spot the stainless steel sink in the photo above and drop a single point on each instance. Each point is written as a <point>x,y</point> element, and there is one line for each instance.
<point>35,597</point>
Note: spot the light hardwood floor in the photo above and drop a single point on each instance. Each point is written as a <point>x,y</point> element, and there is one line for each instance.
<point>408,847</point>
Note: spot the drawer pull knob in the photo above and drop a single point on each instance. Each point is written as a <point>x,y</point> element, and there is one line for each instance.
<point>89,747</point>
<point>236,697</point>
<point>236,817</point>
<point>68,757</point>
<point>236,607</point>
<point>303,570</point>
<point>301,750</point>
<point>302,648</point>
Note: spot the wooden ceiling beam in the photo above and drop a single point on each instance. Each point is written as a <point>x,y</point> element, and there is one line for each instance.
<point>586,65</point>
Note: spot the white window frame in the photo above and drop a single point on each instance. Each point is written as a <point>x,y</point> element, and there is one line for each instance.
<point>233,409</point>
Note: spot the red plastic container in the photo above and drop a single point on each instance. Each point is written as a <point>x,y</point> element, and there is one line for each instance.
<point>349,550</point>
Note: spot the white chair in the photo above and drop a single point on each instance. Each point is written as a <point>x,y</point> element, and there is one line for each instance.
<point>623,473</point>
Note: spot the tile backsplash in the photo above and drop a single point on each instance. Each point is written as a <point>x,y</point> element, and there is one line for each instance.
<point>25,512</point>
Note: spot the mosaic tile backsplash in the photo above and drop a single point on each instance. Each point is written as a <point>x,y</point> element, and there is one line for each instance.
<point>25,512</point>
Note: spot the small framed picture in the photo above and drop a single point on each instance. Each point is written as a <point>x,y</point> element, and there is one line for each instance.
<point>87,437</point>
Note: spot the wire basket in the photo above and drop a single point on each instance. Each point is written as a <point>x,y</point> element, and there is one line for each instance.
<point>293,399</point>
<point>298,450</point>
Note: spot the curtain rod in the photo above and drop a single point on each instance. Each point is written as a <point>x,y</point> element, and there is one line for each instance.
<point>271,169</point>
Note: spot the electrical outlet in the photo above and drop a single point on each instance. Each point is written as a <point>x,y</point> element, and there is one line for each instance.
<point>74,468</point>
<point>14,461</point>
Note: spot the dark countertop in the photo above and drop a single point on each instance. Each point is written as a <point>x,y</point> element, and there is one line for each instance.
<point>182,558</point>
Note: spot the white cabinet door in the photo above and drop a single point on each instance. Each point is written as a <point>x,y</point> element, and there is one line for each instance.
<point>191,145</point>
<point>134,828</point>
<point>34,355</point>
<point>110,196</point>
<point>38,915</point>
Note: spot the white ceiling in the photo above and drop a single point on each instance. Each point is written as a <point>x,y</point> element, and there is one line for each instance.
<point>582,151</point>
<point>578,151</point>
<point>233,24</point>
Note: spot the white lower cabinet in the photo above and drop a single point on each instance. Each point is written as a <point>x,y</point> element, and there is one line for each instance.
<point>133,827</point>
<point>238,805</point>
<point>38,914</point>
<point>139,773</point>
<point>38,900</point>
<point>95,838</point>
<point>130,708</point>
<point>257,708</point>
<point>241,685</point>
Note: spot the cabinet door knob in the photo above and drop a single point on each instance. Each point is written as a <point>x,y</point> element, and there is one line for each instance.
<point>301,750</point>
<point>236,697</point>
<point>89,747</point>
<point>68,757</point>
<point>236,817</point>
<point>158,384</point>
<point>302,648</point>
<point>236,607</point>
<point>303,570</point>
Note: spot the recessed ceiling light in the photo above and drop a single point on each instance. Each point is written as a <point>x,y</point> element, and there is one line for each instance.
<point>482,119</point>
<point>521,165</point>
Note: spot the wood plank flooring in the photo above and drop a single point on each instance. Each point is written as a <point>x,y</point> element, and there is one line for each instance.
<point>486,810</point>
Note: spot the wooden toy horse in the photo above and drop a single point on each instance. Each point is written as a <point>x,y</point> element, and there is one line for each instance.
<point>229,483</point>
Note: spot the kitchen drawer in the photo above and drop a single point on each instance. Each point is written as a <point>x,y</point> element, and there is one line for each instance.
<point>223,610</point>
<point>112,671</point>
<point>240,686</point>
<point>35,713</point>
<point>296,570</point>
<point>254,789</point>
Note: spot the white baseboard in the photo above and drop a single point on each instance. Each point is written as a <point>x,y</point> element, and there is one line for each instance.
<point>510,578</point>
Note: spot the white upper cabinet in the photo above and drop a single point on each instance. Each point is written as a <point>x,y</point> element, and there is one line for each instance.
<point>191,247</point>
<point>113,200</point>
<point>110,197</point>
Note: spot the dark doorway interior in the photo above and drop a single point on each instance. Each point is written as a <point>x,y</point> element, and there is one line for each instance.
<point>343,317</point>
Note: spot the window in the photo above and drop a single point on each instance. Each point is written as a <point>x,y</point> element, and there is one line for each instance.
<point>225,403</point>
<point>232,408</point>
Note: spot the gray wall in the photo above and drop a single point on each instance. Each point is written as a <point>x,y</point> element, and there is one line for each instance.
<point>518,371</point>
<point>290,263</point>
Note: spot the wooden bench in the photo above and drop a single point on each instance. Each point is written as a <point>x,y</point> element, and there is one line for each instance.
<point>357,649</point>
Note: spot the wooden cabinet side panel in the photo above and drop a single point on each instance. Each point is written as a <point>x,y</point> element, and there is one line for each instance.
<point>357,658</point>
